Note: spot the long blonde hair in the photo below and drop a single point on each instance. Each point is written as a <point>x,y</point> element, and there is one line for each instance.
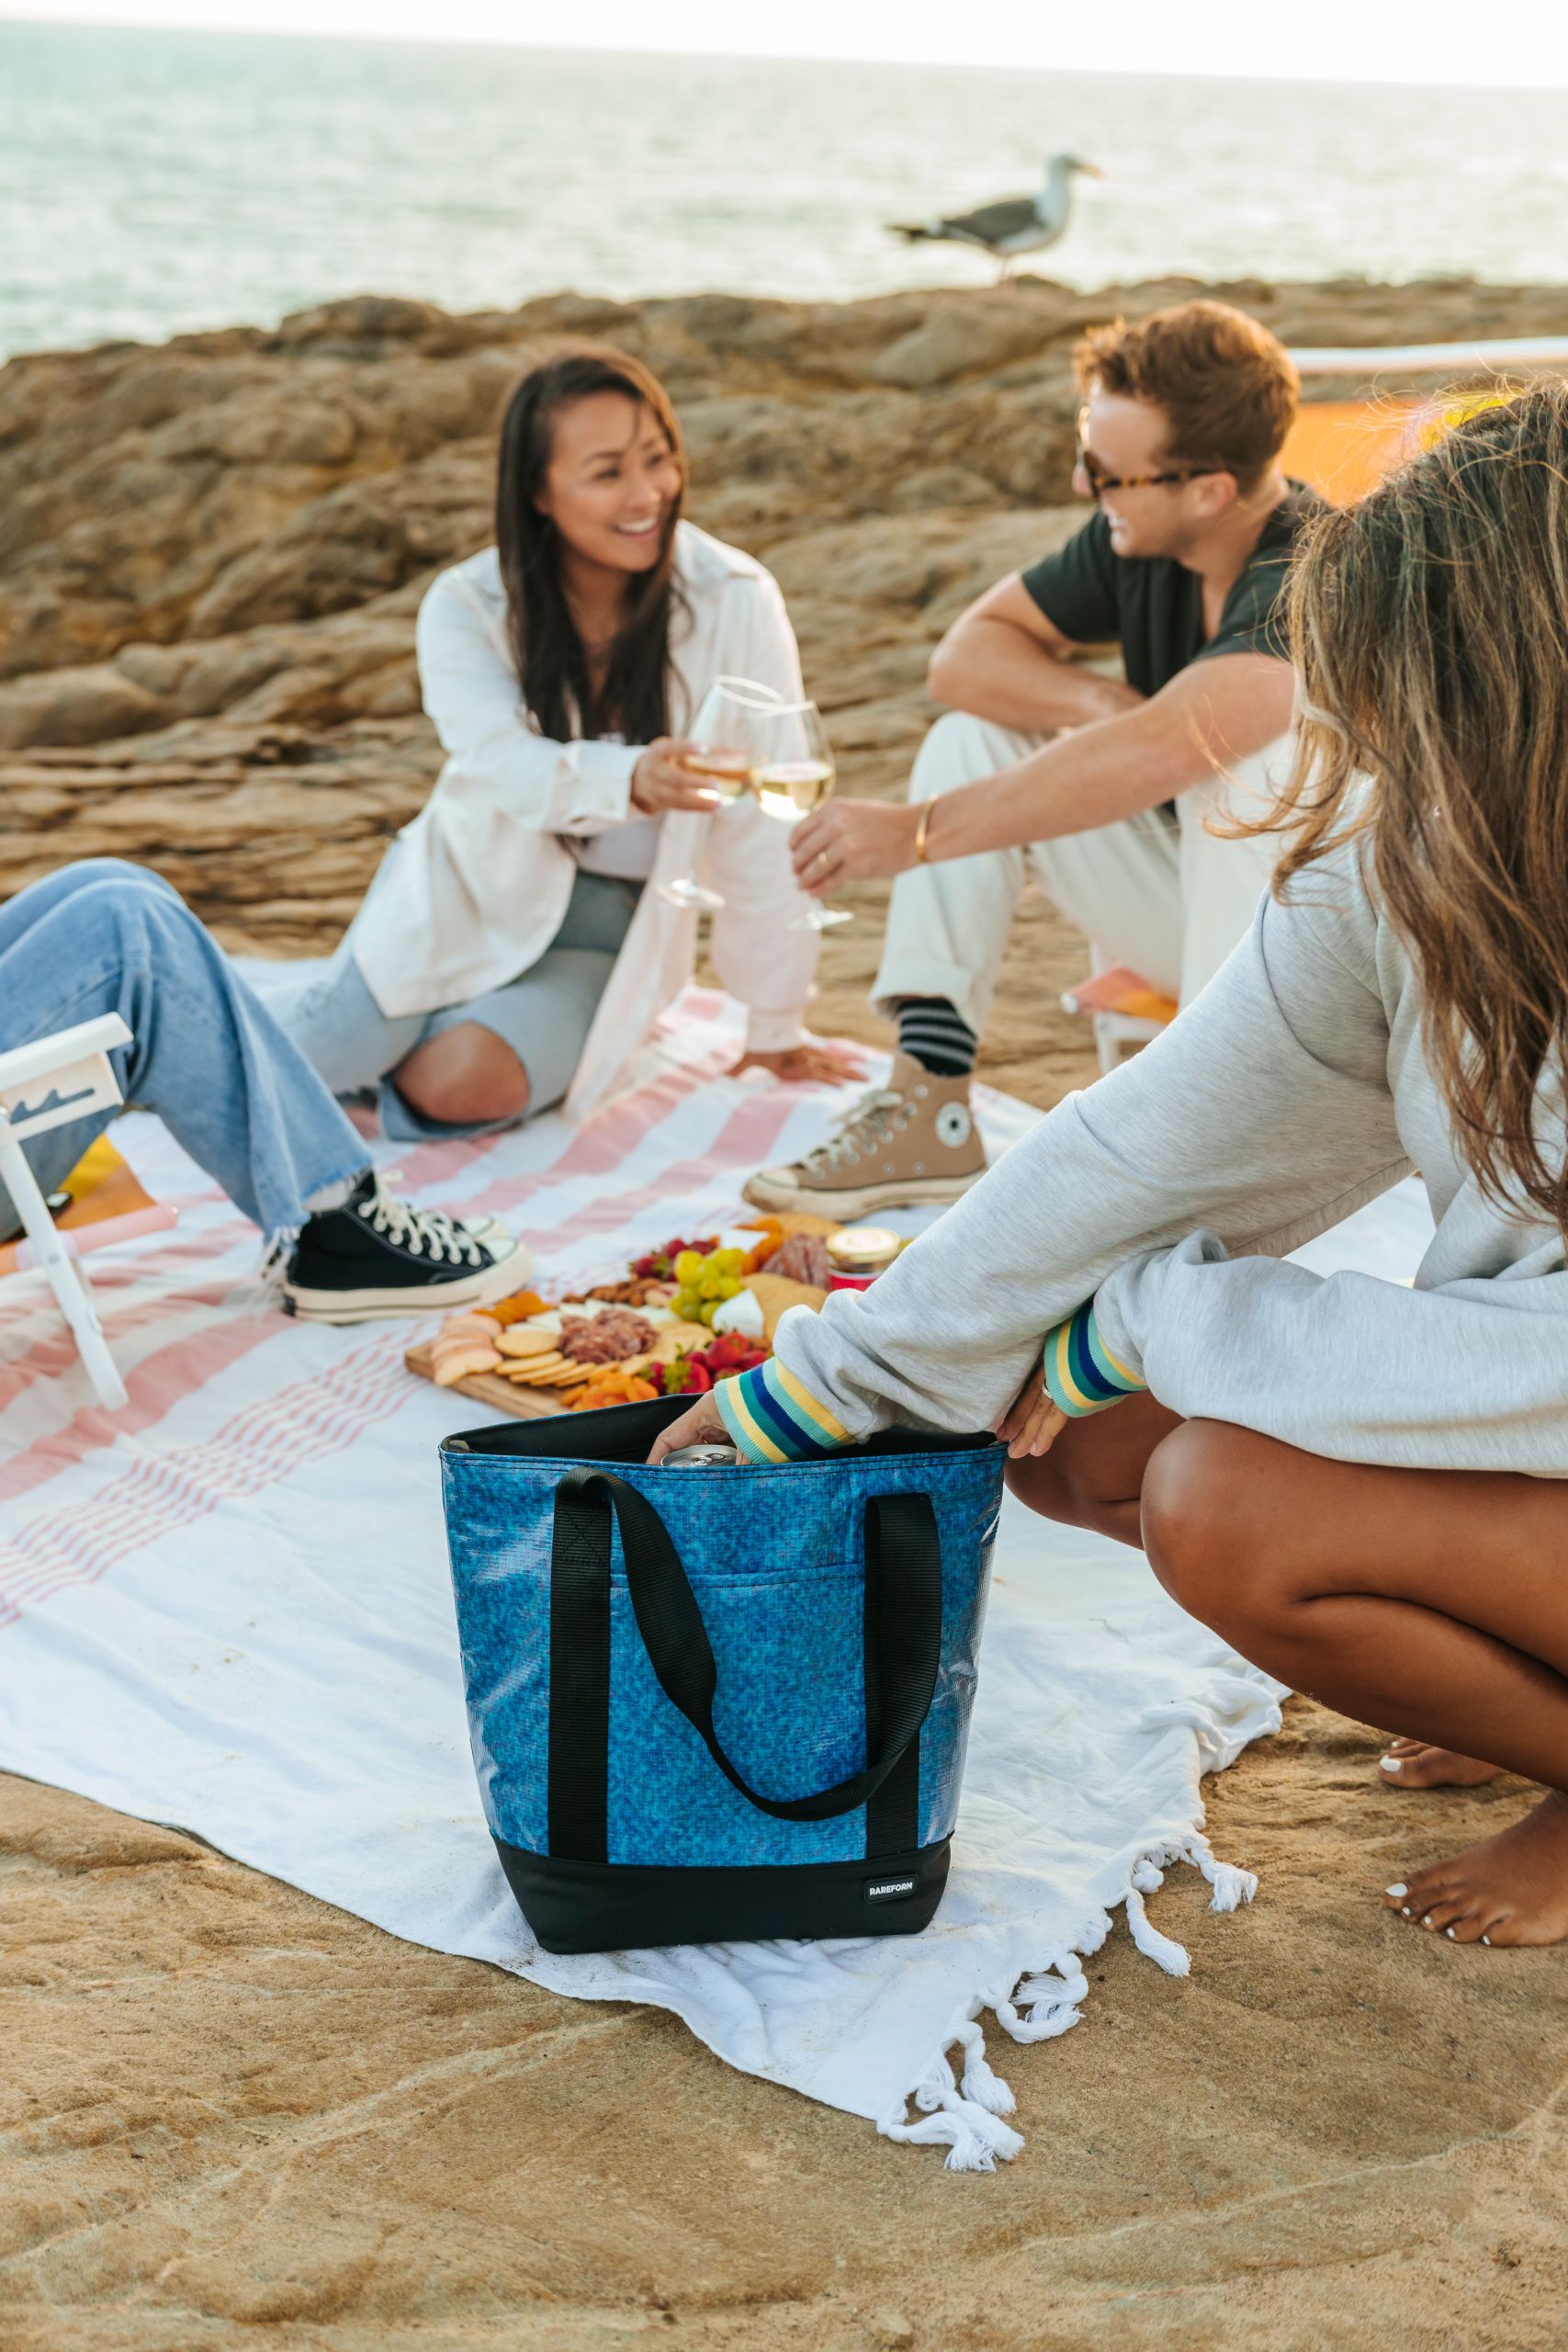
<point>1430,629</point>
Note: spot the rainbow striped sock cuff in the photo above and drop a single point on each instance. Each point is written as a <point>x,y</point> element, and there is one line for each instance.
<point>1081,1374</point>
<point>773,1419</point>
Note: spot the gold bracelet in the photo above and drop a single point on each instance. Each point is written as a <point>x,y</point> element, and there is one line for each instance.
<point>922,856</point>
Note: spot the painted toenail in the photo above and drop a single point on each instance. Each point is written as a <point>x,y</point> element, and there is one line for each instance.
<point>1450,1933</point>
<point>1397,1891</point>
<point>1426,1918</point>
<point>1486,1940</point>
<point>1392,1763</point>
<point>1404,1911</point>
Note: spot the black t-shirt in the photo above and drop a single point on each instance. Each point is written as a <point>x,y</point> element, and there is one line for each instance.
<point>1153,605</point>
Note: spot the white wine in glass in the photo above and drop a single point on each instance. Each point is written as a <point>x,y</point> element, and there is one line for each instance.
<point>729,772</point>
<point>794,775</point>
<point>792,788</point>
<point>722,755</point>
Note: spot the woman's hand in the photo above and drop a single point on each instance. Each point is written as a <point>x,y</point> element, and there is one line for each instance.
<point>701,1426</point>
<point>661,781</point>
<point>1032,1422</point>
<point>806,1065</point>
<point>854,840</point>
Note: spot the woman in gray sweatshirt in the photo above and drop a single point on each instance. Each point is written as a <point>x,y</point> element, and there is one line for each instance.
<point>1353,1481</point>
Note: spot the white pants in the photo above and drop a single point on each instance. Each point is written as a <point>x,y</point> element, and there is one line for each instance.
<point>1157,893</point>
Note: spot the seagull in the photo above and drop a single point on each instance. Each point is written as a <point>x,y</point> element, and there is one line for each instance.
<point>1012,226</point>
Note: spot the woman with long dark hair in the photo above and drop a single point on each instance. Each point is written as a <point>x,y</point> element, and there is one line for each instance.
<point>511,953</point>
<point>1360,1484</point>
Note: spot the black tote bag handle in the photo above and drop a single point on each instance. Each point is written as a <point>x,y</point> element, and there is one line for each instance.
<point>903,1647</point>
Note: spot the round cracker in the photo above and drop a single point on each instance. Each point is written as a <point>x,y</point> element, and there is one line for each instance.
<point>520,1339</point>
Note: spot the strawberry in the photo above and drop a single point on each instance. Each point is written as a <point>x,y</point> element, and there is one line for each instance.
<point>733,1351</point>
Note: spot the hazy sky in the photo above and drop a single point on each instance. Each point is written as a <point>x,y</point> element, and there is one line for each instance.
<point>1328,39</point>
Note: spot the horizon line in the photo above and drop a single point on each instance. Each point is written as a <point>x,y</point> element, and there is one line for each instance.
<point>384,39</point>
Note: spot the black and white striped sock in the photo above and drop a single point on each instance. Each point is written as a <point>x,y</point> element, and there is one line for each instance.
<point>937,1037</point>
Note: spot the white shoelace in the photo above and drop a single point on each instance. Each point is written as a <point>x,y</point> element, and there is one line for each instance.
<point>421,1231</point>
<point>870,1123</point>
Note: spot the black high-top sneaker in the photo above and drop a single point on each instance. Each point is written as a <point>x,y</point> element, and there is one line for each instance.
<point>380,1256</point>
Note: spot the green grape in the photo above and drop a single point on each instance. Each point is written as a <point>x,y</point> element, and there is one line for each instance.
<point>723,1287</point>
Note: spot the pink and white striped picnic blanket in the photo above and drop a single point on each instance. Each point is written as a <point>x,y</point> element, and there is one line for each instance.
<point>227,1607</point>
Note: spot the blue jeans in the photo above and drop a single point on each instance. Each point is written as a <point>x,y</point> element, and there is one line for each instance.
<point>204,1053</point>
<point>543,1014</point>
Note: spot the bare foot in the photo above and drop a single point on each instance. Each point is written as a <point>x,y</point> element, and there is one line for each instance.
<point>1511,1889</point>
<point>1412,1764</point>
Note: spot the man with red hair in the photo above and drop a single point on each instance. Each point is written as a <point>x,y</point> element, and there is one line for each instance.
<point>1100,786</point>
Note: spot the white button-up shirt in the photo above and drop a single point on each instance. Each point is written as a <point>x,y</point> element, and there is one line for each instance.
<point>484,873</point>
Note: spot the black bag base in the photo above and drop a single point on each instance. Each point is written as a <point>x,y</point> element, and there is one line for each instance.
<point>623,1906</point>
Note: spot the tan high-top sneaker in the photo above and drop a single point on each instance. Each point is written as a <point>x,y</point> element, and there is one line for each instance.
<point>909,1142</point>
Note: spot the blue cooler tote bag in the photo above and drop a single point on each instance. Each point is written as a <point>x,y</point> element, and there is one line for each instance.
<point>724,1703</point>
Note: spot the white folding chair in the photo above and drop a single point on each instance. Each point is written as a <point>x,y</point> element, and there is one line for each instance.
<point>47,1085</point>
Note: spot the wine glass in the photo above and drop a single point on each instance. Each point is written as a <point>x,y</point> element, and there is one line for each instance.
<point>794,774</point>
<point>721,754</point>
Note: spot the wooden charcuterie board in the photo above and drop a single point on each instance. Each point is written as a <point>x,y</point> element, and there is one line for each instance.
<point>489,1388</point>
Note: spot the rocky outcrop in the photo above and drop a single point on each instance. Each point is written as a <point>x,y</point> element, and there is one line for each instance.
<point>211,552</point>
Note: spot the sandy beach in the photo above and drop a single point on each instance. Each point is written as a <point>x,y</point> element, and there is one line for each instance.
<point>233,2114</point>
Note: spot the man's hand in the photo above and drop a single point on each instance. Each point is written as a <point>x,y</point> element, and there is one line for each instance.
<point>806,1065</point>
<point>660,780</point>
<point>701,1426</point>
<point>1032,1422</point>
<point>854,840</point>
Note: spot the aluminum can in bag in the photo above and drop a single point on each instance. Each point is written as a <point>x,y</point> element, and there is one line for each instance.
<point>712,1454</point>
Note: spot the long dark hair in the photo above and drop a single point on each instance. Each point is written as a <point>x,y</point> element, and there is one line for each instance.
<point>1430,631</point>
<point>551,663</point>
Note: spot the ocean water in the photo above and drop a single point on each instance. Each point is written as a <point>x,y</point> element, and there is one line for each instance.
<point>152,182</point>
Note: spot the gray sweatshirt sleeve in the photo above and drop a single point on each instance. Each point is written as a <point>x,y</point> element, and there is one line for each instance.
<point>1468,1375</point>
<point>1261,1117</point>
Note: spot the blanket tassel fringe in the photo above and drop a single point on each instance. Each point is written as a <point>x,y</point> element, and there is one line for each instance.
<point>963,2114</point>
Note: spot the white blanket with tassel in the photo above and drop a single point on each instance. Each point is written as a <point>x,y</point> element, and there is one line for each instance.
<point>227,1607</point>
